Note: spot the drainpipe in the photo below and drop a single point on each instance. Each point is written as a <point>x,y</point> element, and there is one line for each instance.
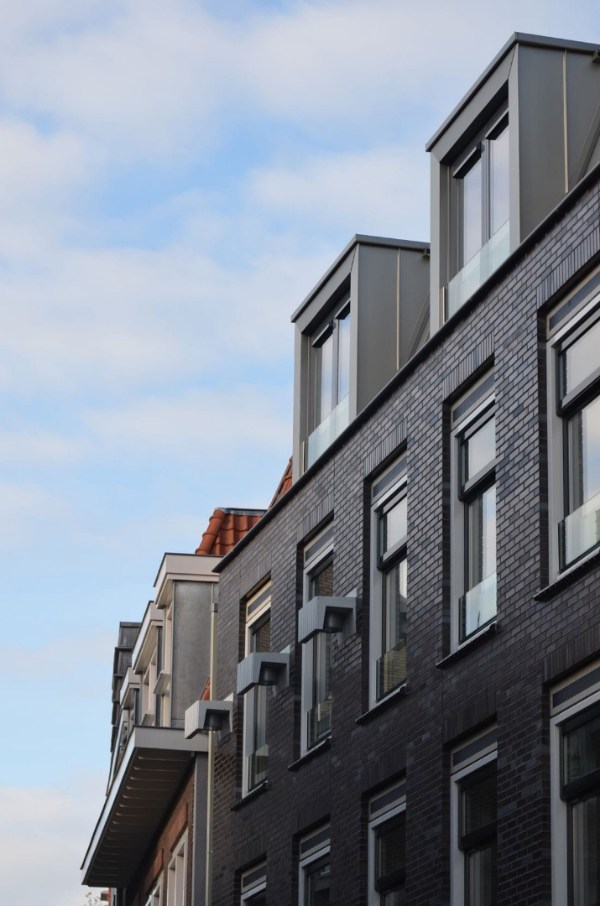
<point>210,777</point>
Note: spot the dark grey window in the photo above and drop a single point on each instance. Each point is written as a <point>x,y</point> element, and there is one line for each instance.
<point>392,533</point>
<point>390,861</point>
<point>478,836</point>
<point>329,404</point>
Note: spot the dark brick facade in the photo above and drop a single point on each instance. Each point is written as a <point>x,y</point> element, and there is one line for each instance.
<point>543,632</point>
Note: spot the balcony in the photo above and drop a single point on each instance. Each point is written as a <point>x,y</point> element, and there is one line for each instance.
<point>476,271</point>
<point>154,764</point>
<point>318,723</point>
<point>330,428</point>
<point>391,669</point>
<point>478,607</point>
<point>258,765</point>
<point>579,533</point>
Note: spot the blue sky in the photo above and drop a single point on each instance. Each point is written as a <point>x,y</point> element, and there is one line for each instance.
<point>175,178</point>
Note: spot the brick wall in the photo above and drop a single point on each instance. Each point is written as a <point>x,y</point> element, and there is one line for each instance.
<point>502,677</point>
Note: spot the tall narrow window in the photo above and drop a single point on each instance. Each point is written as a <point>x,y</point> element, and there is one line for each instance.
<point>387,847</point>
<point>316,652</point>
<point>575,706</point>
<point>474,523</point>
<point>176,874</point>
<point>578,407</point>
<point>330,358</point>
<point>474,817</point>
<point>389,580</point>
<point>258,638</point>
<point>315,869</point>
<point>481,190</point>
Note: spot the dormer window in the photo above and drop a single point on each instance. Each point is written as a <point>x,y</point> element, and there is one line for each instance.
<point>330,357</point>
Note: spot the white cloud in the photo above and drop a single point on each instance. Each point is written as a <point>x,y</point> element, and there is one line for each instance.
<point>41,447</point>
<point>60,658</point>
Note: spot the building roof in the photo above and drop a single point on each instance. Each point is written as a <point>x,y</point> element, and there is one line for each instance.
<point>285,483</point>
<point>225,528</point>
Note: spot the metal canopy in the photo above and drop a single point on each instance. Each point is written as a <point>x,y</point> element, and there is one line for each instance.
<point>154,765</point>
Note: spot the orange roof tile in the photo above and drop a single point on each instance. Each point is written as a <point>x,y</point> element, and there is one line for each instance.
<point>284,485</point>
<point>225,528</point>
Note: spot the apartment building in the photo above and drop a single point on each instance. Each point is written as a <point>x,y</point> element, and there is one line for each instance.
<point>149,844</point>
<point>407,706</point>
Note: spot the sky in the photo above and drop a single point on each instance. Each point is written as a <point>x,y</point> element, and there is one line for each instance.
<point>175,177</point>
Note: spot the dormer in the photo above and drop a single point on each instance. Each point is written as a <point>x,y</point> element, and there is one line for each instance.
<point>361,323</point>
<point>523,136</point>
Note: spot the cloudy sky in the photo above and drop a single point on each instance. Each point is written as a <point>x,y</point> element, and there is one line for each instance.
<point>175,176</point>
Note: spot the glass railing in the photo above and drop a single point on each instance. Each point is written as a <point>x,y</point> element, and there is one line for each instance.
<point>330,428</point>
<point>319,723</point>
<point>478,607</point>
<point>478,269</point>
<point>579,532</point>
<point>258,764</point>
<point>391,669</point>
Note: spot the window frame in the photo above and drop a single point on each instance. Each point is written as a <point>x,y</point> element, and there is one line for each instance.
<point>177,873</point>
<point>570,701</point>
<point>564,407</point>
<point>255,699</point>
<point>253,882</point>
<point>478,150</point>
<point>314,847</point>
<point>384,808</point>
<point>469,759</point>
<point>387,489</point>
<point>318,553</point>
<point>155,895</point>
<point>475,409</point>
<point>331,328</point>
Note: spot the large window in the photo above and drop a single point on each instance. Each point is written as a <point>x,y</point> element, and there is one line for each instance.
<point>474,512</point>
<point>474,811</point>
<point>387,847</point>
<point>575,705</point>
<point>176,875</point>
<point>258,638</point>
<point>330,392</point>
<point>316,652</point>
<point>315,869</point>
<point>577,382</point>
<point>388,581</point>
<point>481,201</point>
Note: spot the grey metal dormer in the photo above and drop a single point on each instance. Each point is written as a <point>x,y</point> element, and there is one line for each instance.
<point>362,322</point>
<point>524,135</point>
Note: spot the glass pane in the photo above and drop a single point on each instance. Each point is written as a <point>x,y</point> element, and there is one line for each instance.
<point>472,212</point>
<point>260,716</point>
<point>479,449</point>
<point>499,183</point>
<point>584,454</point>
<point>318,723</point>
<point>343,377</point>
<point>479,803</point>
<point>260,635</point>
<point>390,843</point>
<point>394,605</point>
<point>393,523</point>
<point>258,767</point>
<point>316,883</point>
<point>481,876</point>
<point>321,666</point>
<point>481,542</point>
<point>478,607</point>
<point>321,582</point>
<point>585,851</point>
<point>259,899</point>
<point>582,750</point>
<point>327,431</point>
<point>325,391</point>
<point>479,268</point>
<point>581,359</point>
<point>580,532</point>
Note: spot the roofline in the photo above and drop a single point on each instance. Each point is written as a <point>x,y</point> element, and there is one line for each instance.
<point>399,378</point>
<point>357,239</point>
<point>516,38</point>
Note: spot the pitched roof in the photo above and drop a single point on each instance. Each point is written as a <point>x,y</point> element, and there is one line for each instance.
<point>284,485</point>
<point>225,528</point>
